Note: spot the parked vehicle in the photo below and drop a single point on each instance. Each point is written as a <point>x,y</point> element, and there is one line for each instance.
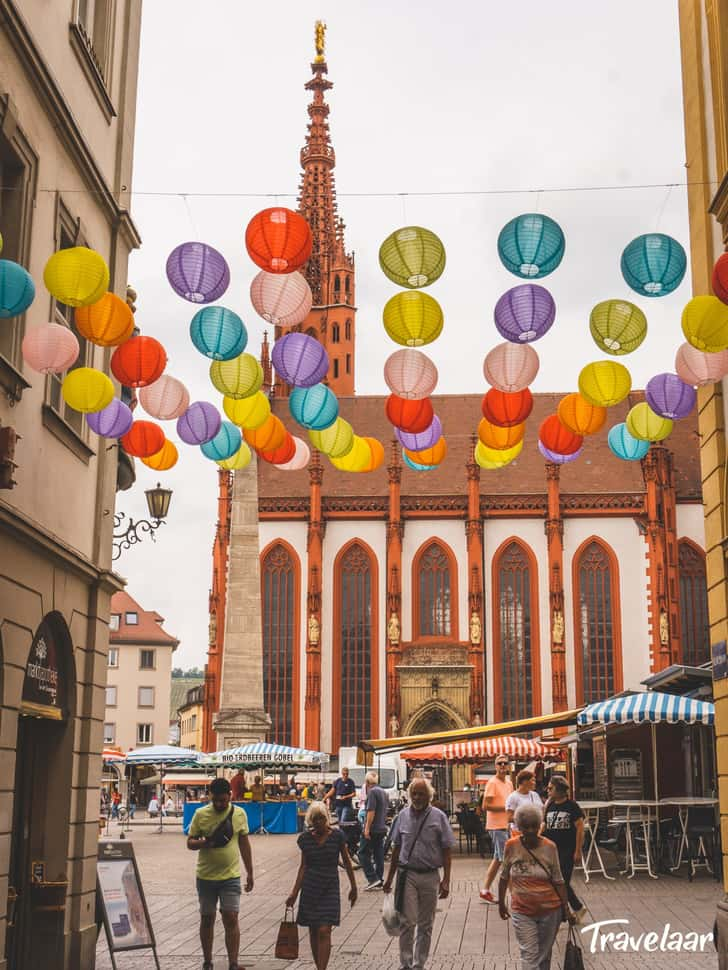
<point>392,771</point>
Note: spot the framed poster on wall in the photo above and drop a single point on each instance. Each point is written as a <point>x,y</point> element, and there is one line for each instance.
<point>121,900</point>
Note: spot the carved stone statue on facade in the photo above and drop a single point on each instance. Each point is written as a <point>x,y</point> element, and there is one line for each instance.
<point>476,720</point>
<point>557,629</point>
<point>476,629</point>
<point>393,725</point>
<point>664,628</point>
<point>314,630</point>
<point>393,629</point>
<point>212,629</point>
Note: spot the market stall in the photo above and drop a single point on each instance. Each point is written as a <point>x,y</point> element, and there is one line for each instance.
<point>162,757</point>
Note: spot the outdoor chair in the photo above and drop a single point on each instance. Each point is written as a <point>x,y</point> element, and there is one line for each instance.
<point>612,838</point>
<point>702,834</point>
<point>471,827</point>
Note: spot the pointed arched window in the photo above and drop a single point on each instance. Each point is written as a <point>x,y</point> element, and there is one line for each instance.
<point>435,592</point>
<point>693,605</point>
<point>517,681</point>
<point>279,579</point>
<point>597,621</point>
<point>335,333</point>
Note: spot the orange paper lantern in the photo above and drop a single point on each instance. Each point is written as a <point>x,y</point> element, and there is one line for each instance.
<point>506,408</point>
<point>138,362</point>
<point>268,436</point>
<point>278,240</point>
<point>164,459</point>
<point>143,439</point>
<point>377,450</point>
<point>411,416</point>
<point>557,437</point>
<point>429,456</point>
<point>108,323</point>
<point>282,454</point>
<point>579,416</point>
<point>498,437</point>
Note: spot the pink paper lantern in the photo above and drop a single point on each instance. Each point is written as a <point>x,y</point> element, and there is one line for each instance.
<point>410,374</point>
<point>165,399</point>
<point>698,367</point>
<point>282,299</point>
<point>50,348</point>
<point>511,367</point>
<point>300,458</point>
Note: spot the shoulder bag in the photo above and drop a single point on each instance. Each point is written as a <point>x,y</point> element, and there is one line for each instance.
<point>402,870</point>
<point>287,941</point>
<point>223,832</point>
<point>573,956</point>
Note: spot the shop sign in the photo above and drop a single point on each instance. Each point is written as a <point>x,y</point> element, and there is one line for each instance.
<point>720,660</point>
<point>41,687</point>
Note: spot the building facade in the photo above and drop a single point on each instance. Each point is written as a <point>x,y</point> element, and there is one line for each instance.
<point>68,77</point>
<point>190,718</point>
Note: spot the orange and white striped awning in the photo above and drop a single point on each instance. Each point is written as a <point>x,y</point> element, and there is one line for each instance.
<point>483,748</point>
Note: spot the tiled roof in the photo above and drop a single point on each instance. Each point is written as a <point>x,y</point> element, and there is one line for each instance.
<point>178,695</point>
<point>147,630</point>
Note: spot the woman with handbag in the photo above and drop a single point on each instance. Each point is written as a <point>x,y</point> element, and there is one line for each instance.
<point>318,881</point>
<point>538,893</point>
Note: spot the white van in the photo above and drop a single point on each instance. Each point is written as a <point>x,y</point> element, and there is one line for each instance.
<point>391,769</point>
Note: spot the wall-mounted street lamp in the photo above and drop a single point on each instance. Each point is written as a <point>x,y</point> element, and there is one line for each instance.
<point>158,504</point>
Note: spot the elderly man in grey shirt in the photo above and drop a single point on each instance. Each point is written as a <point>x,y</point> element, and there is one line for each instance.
<point>421,845</point>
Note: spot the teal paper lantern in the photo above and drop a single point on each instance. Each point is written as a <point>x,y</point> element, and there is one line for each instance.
<point>218,333</point>
<point>654,264</point>
<point>624,445</point>
<point>225,443</point>
<point>531,245</point>
<point>415,465</point>
<point>314,407</point>
<point>17,289</point>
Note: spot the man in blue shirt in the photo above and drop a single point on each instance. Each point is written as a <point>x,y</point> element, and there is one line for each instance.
<point>375,831</point>
<point>343,793</point>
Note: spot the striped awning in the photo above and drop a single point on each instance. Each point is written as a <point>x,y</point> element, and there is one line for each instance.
<point>162,754</point>
<point>266,755</point>
<point>484,748</point>
<point>651,707</point>
<point>113,756</point>
<point>431,755</point>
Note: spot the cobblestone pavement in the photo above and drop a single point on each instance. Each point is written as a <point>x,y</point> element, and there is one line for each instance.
<point>468,935</point>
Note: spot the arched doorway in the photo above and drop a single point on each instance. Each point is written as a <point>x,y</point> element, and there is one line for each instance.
<point>433,717</point>
<point>41,810</point>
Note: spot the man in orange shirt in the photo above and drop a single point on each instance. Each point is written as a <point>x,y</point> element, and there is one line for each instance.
<point>494,802</point>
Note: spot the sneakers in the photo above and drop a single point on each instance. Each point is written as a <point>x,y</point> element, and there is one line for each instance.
<point>377,884</point>
<point>487,896</point>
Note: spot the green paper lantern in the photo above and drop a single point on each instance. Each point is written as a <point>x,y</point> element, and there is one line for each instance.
<point>643,424</point>
<point>237,378</point>
<point>617,326</point>
<point>412,318</point>
<point>412,257</point>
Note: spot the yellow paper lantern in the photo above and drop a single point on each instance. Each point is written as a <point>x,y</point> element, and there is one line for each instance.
<point>237,378</point>
<point>247,412</point>
<point>643,423</point>
<point>377,454</point>
<point>336,441</point>
<point>164,459</point>
<point>76,276</point>
<point>497,457</point>
<point>579,415</point>
<point>604,383</point>
<point>498,437</point>
<point>87,390</point>
<point>241,459</point>
<point>412,318</point>
<point>356,459</point>
<point>705,324</point>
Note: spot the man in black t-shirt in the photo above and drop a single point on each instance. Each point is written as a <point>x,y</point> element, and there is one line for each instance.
<point>343,793</point>
<point>564,825</point>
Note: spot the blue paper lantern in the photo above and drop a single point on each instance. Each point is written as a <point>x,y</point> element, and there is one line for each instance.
<point>654,264</point>
<point>415,466</point>
<point>624,445</point>
<point>531,245</point>
<point>225,443</point>
<point>17,289</point>
<point>314,407</point>
<point>218,333</point>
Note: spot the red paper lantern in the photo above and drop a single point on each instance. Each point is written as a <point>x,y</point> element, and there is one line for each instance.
<point>411,416</point>
<point>278,240</point>
<point>507,408</point>
<point>138,362</point>
<point>720,278</point>
<point>143,439</point>
<point>556,437</point>
<point>279,456</point>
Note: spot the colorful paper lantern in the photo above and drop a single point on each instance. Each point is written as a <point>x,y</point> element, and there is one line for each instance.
<point>278,240</point>
<point>511,367</point>
<point>506,409</point>
<point>314,407</point>
<point>410,374</point>
<point>555,458</point>
<point>113,421</point>
<point>77,276</point>
<point>247,412</point>
<point>17,289</point>
<point>581,416</point>
<point>705,324</point>
<point>524,313</point>
<point>356,459</point>
<point>107,323</point>
<point>336,441</point>
<point>485,463</point>
<point>410,416</point>
<point>218,333</point>
<point>144,438</point>
<point>376,454</point>
<point>697,367</point>
<point>604,383</point>
<point>164,459</point>
<point>720,278</point>
<point>283,454</point>
<point>617,326</point>
<point>653,264</point>
<point>643,423</point>
<point>430,456</point>
<point>669,396</point>
<point>268,436</point>
<point>200,423</point>
<point>166,399</point>
<point>415,466</point>
<point>283,300</point>
<point>624,445</point>
<point>498,457</point>
<point>499,437</point>
<point>300,459</point>
<point>237,378</point>
<point>412,318</point>
<point>138,362</point>
<point>531,245</point>
<point>412,257</point>
<point>86,389</point>
<point>225,444</point>
<point>417,441</point>
<point>300,360</point>
<point>50,348</point>
<point>557,437</point>
<point>197,272</point>
<point>241,459</point>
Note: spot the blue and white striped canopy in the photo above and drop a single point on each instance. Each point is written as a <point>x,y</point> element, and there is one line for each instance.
<point>267,755</point>
<point>649,707</point>
<point>163,754</point>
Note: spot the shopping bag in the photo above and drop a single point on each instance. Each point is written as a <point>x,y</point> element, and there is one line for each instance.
<point>573,957</point>
<point>287,942</point>
<point>390,916</point>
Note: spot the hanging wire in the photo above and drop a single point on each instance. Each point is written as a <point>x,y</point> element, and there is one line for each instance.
<point>663,207</point>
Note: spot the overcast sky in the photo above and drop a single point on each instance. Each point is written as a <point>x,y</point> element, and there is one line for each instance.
<point>504,99</point>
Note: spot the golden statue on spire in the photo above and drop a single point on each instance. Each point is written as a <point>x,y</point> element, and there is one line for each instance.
<point>320,37</point>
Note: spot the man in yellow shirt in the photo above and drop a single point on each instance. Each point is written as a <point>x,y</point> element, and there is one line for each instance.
<point>219,831</point>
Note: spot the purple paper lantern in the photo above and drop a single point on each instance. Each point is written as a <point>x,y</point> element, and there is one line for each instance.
<point>197,272</point>
<point>300,360</point>
<point>669,396</point>
<point>422,439</point>
<point>111,422</point>
<point>555,457</point>
<point>524,313</point>
<point>200,423</point>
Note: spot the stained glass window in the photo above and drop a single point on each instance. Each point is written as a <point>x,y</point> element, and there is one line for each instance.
<point>516,647</point>
<point>434,592</point>
<point>693,606</point>
<point>279,614</point>
<point>355,645</point>
<point>596,624</point>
